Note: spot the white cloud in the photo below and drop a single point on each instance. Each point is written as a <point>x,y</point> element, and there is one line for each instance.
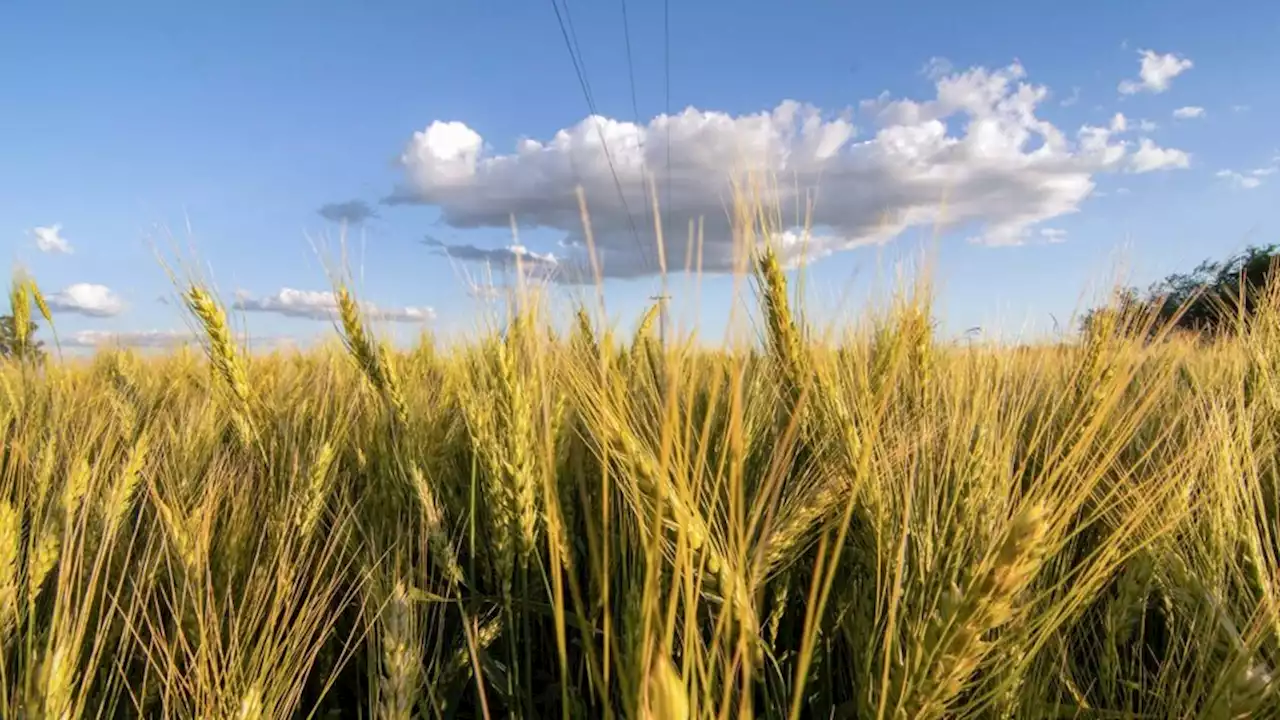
<point>1239,180</point>
<point>1119,123</point>
<point>1239,108</point>
<point>49,239</point>
<point>1071,99</point>
<point>1188,112</point>
<point>130,338</point>
<point>86,299</point>
<point>1147,126</point>
<point>1004,170</point>
<point>1122,191</point>
<point>1150,157</point>
<point>1053,235</point>
<point>1263,172</point>
<point>323,305</point>
<point>1156,72</point>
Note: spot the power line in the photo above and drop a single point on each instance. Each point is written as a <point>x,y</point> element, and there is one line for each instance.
<point>579,66</point>
<point>631,72</point>
<point>666,68</point>
<point>635,104</point>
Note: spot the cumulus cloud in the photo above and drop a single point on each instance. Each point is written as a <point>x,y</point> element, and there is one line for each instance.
<point>976,154</point>
<point>1156,72</point>
<point>351,212</point>
<point>1188,112</point>
<point>49,239</point>
<point>130,338</point>
<point>323,305</point>
<point>86,299</point>
<point>1150,157</point>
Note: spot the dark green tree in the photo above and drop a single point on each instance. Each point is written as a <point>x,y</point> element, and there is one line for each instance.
<point>1209,300</point>
<point>9,347</point>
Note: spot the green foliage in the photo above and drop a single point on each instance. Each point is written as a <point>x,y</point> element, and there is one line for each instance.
<point>9,346</point>
<point>1208,301</point>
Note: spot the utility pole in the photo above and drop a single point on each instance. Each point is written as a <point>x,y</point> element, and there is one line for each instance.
<point>662,316</point>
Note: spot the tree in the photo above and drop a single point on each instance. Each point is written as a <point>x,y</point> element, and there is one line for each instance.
<point>9,347</point>
<point>1208,300</point>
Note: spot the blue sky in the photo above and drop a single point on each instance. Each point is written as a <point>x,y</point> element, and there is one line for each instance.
<point>125,124</point>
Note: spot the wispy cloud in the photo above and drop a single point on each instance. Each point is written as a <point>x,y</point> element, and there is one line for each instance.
<point>1188,112</point>
<point>503,257</point>
<point>1239,180</point>
<point>1156,72</point>
<point>1251,179</point>
<point>86,299</point>
<point>937,67</point>
<point>352,212</point>
<point>1053,235</point>
<point>130,338</point>
<point>323,305</point>
<point>159,339</point>
<point>49,239</point>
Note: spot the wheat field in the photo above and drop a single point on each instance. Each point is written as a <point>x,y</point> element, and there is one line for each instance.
<point>859,523</point>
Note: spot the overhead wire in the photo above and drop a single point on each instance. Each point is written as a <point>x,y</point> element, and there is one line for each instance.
<point>570,37</point>
<point>635,105</point>
<point>666,70</point>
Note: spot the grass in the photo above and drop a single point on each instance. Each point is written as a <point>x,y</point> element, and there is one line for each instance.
<point>873,525</point>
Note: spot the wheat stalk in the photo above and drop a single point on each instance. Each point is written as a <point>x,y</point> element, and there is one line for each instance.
<point>401,678</point>
<point>315,493</point>
<point>665,697</point>
<point>10,539</point>
<point>76,488</point>
<point>785,343</point>
<point>20,304</point>
<point>517,457</point>
<point>251,707</point>
<point>41,562</point>
<point>371,358</point>
<point>228,367</point>
<point>955,644</point>
<point>120,497</point>
<point>433,522</point>
<point>58,672</point>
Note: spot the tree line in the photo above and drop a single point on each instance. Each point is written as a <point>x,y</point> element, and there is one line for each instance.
<point>1209,301</point>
